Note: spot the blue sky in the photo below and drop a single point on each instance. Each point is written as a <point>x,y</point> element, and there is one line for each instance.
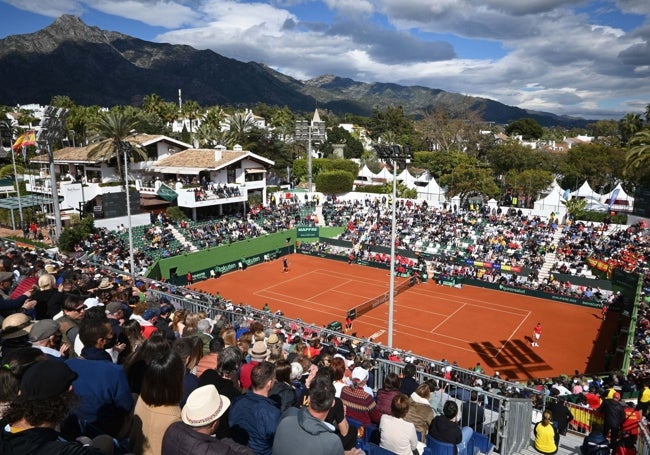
<point>573,57</point>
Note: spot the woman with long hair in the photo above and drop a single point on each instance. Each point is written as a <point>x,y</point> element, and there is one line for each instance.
<point>132,337</point>
<point>190,350</point>
<point>283,392</point>
<point>136,363</point>
<point>158,405</point>
<point>385,395</point>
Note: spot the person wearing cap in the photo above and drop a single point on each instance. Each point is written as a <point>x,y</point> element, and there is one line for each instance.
<point>44,401</point>
<point>148,320</point>
<point>360,404</point>
<point>201,417</point>
<point>254,416</point>
<point>258,353</point>
<point>46,336</point>
<point>613,413</point>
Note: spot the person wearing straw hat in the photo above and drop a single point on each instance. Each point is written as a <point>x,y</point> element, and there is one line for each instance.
<point>201,416</point>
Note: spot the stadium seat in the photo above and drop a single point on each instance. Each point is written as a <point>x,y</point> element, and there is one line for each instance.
<point>439,447</point>
<point>482,442</point>
<point>374,449</point>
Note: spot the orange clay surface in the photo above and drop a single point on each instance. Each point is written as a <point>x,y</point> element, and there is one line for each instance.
<point>466,325</point>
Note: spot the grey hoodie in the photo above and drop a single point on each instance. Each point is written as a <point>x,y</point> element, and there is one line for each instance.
<point>299,432</point>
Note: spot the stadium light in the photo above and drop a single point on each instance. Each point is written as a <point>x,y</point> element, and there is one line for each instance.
<point>308,131</point>
<point>398,155</point>
<point>125,147</point>
<point>52,128</point>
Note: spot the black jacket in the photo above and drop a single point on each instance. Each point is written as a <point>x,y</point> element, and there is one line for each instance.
<point>40,441</point>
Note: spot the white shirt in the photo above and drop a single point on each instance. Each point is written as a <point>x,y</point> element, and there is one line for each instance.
<point>397,435</point>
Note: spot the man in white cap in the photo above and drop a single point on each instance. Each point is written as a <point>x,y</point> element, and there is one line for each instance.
<point>201,417</point>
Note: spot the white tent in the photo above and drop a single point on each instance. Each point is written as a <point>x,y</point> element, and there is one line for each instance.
<point>622,200</point>
<point>585,191</point>
<point>365,173</point>
<point>384,174</point>
<point>432,192</point>
<point>424,177</point>
<point>553,203</point>
<point>406,178</point>
<point>553,185</point>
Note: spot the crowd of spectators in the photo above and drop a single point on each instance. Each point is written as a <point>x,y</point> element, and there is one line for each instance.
<point>104,326</point>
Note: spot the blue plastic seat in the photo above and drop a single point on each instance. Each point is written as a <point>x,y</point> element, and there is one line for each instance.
<point>439,447</point>
<point>482,442</point>
<point>374,449</point>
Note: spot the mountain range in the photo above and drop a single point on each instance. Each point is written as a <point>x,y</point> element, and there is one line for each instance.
<point>99,67</point>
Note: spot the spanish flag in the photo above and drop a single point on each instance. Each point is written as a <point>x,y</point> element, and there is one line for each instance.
<point>25,140</point>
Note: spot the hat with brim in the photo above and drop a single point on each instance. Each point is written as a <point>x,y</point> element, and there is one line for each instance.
<point>259,350</point>
<point>204,406</point>
<point>43,329</point>
<point>6,276</point>
<point>105,284</point>
<point>16,325</point>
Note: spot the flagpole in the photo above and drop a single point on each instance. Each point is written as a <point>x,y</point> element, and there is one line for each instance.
<point>20,204</point>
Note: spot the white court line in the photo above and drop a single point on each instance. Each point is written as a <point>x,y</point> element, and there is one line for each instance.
<point>512,334</point>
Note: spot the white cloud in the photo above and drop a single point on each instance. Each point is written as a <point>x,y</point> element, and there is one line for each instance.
<point>51,8</point>
<point>552,57</point>
<point>160,13</point>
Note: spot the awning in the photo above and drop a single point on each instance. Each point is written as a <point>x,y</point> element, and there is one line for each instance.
<point>255,171</point>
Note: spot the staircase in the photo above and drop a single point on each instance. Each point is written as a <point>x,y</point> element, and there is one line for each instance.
<point>181,238</point>
<point>569,445</point>
<point>318,211</point>
<point>550,257</point>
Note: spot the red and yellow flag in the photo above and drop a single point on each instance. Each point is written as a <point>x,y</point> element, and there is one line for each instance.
<point>25,140</point>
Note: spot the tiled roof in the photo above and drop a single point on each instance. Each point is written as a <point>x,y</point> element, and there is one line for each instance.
<point>200,158</point>
<point>68,154</point>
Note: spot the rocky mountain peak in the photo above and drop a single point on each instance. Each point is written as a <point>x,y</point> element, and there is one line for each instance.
<point>64,29</point>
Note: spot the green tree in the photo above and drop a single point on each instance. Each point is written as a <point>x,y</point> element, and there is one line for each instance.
<point>638,156</point>
<point>334,182</point>
<point>528,128</point>
<point>391,119</point>
<point>337,135</point>
<point>468,180</point>
<point>192,111</point>
<point>114,132</point>
<point>241,125</point>
<point>73,235</point>
<point>628,126</point>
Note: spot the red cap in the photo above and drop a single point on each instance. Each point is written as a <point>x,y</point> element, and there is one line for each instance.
<point>617,396</point>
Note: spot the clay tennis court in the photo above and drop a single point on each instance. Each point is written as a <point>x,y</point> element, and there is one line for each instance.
<point>466,325</point>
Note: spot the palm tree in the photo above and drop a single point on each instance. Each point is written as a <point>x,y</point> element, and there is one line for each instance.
<point>114,134</point>
<point>639,153</point>
<point>241,123</point>
<point>628,126</point>
<point>191,109</point>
